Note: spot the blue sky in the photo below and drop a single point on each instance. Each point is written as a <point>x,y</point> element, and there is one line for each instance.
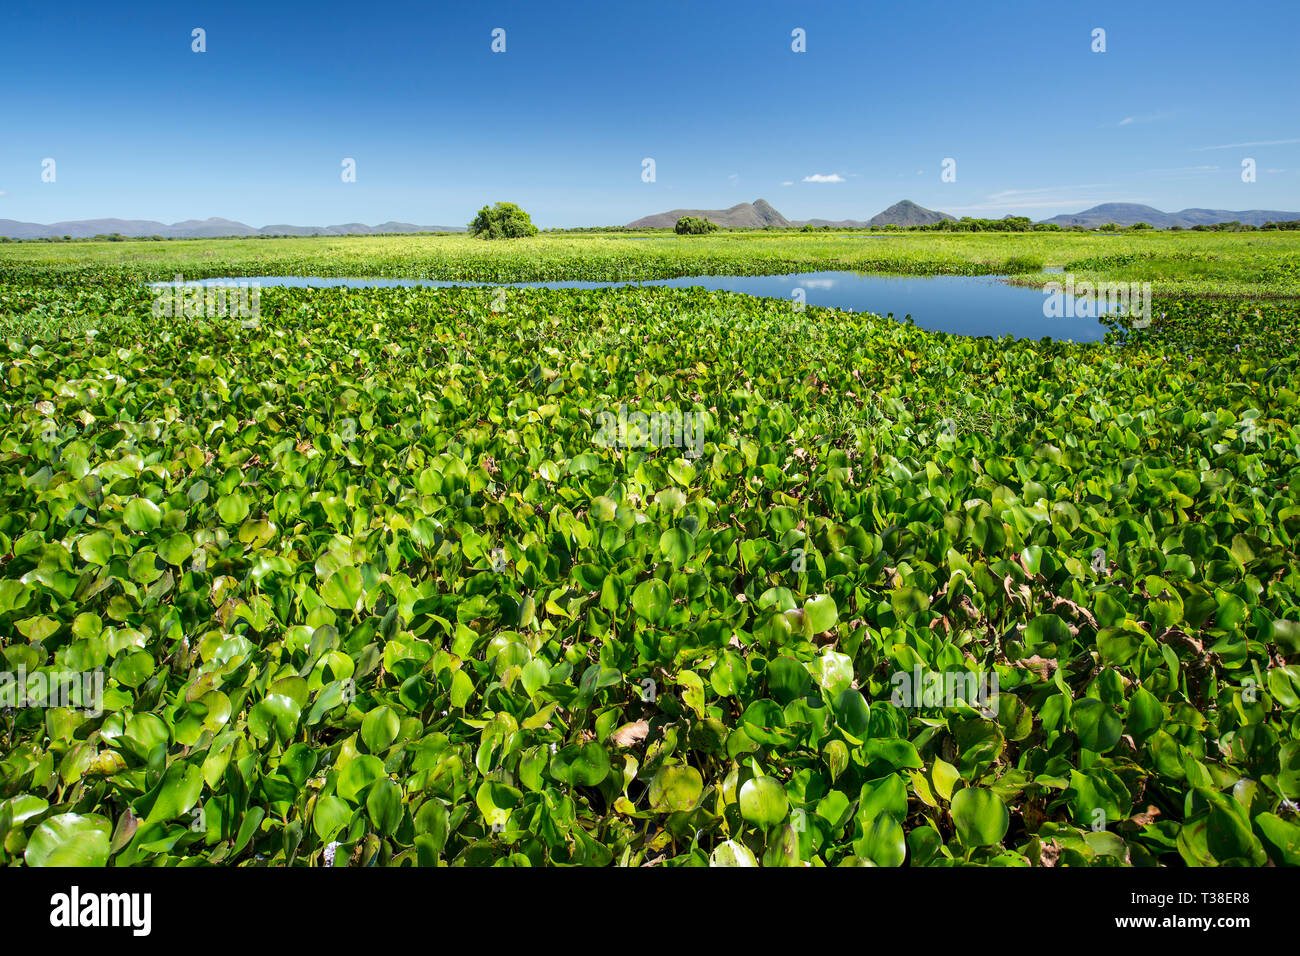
<point>256,128</point>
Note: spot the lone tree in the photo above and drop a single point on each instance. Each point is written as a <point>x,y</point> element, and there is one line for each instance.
<point>505,220</point>
<point>694,226</point>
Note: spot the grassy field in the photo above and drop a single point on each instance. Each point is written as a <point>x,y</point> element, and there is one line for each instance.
<point>375,577</point>
<point>1241,264</point>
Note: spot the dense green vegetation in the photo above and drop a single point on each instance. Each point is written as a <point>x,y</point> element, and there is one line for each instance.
<point>694,226</point>
<point>366,585</point>
<point>1253,264</point>
<point>505,220</point>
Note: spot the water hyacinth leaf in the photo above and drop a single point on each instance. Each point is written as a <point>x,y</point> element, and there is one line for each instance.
<point>495,801</point>
<point>96,548</point>
<point>821,613</point>
<point>176,794</point>
<point>330,816</point>
<point>675,788</point>
<point>177,549</point>
<point>729,675</point>
<point>583,765</point>
<point>834,671</point>
<point>433,821</point>
<point>358,774</point>
<point>142,515</point>
<point>732,853</point>
<point>882,796</point>
<point>1047,629</point>
<point>1145,714</point>
<point>852,714</point>
<point>676,546</point>
<point>884,842</point>
<point>980,816</point>
<point>379,728</point>
<point>787,679</point>
<point>232,508</point>
<point>384,806</point>
<point>343,589</point>
<point>274,717</point>
<point>783,848</point>
<point>763,802</point>
<point>534,676</point>
<point>651,599</point>
<point>70,839</point>
<point>945,777</point>
<point>1098,726</point>
<point>1285,634</point>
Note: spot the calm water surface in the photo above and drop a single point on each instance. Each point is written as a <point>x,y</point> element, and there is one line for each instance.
<point>966,305</point>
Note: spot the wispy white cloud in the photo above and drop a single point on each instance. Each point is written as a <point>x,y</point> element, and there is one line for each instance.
<point>1013,193</point>
<point>823,178</point>
<point>1149,118</point>
<point>788,182</point>
<point>1055,201</point>
<point>1262,142</point>
<point>1185,169</point>
<point>1077,195</point>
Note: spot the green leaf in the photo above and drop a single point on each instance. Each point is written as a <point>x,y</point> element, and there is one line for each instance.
<point>1098,726</point>
<point>980,816</point>
<point>583,765</point>
<point>651,600</point>
<point>232,508</point>
<point>330,816</point>
<point>177,549</point>
<point>96,547</point>
<point>177,794</point>
<point>70,839</point>
<point>675,788</point>
<point>852,714</point>
<point>142,515</point>
<point>883,843</point>
<point>357,774</point>
<point>729,674</point>
<point>384,806</point>
<point>379,729</point>
<point>676,546</point>
<point>342,590</point>
<point>763,802</point>
<point>732,853</point>
<point>822,615</point>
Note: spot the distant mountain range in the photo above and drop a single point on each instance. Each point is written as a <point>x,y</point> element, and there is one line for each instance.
<point>198,229</point>
<point>905,213</point>
<point>746,215</point>
<point>759,214</point>
<point>1128,214</point>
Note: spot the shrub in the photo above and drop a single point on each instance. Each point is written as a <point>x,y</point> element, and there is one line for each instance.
<point>694,226</point>
<point>505,220</point>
